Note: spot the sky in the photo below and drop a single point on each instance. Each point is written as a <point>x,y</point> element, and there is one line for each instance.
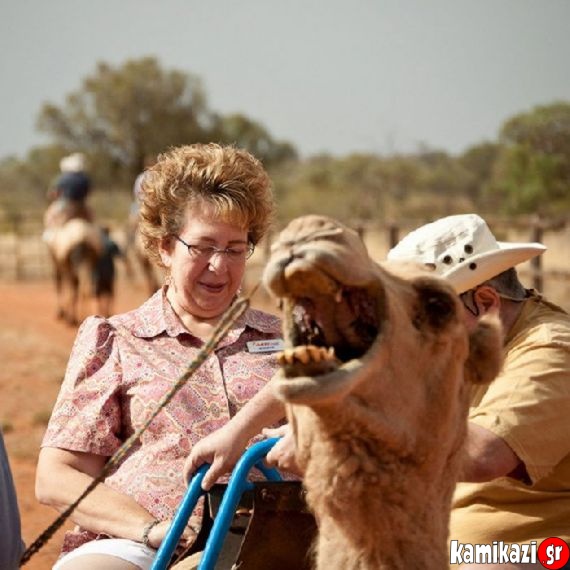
<point>334,76</point>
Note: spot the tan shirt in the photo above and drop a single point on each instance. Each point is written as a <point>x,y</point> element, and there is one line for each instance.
<point>528,406</point>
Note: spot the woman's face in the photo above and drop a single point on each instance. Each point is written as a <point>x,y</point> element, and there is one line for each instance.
<point>204,286</point>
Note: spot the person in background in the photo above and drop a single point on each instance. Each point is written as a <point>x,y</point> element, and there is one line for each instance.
<point>516,476</point>
<point>69,192</point>
<point>133,242</point>
<point>11,544</point>
<point>136,201</point>
<point>104,273</point>
<point>203,210</point>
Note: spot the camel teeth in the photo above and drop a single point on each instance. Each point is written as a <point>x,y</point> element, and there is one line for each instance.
<point>317,354</point>
<point>338,296</point>
<point>286,357</point>
<point>303,354</point>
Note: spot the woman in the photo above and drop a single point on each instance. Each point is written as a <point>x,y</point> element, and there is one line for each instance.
<point>203,209</point>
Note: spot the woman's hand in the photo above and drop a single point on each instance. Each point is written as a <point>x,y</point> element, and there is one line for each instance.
<point>224,447</point>
<point>221,449</point>
<point>158,533</point>
<point>282,455</point>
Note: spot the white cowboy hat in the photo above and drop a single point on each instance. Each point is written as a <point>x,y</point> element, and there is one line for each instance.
<point>73,162</point>
<point>462,249</point>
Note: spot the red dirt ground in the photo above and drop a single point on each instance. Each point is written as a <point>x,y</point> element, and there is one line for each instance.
<point>34,348</point>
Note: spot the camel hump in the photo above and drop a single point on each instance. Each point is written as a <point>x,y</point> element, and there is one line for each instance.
<point>73,233</point>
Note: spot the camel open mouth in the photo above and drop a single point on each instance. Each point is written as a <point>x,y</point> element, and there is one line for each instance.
<point>326,331</point>
<point>307,327</point>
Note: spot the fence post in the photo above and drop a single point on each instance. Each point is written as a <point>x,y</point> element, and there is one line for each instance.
<point>16,219</point>
<point>393,234</point>
<point>266,245</point>
<point>536,261</point>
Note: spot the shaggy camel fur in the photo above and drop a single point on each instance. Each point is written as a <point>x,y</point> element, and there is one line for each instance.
<point>375,378</point>
<point>75,248</point>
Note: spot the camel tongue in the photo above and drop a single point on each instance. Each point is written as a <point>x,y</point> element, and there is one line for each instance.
<point>305,319</point>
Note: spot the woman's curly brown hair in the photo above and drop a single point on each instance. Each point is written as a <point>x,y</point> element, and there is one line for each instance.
<point>230,182</point>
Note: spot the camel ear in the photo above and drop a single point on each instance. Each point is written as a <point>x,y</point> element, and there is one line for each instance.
<point>485,351</point>
<point>436,305</point>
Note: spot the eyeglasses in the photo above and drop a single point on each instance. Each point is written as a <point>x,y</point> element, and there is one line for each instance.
<point>205,252</point>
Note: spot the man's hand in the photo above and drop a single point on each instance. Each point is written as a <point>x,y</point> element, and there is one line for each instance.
<point>282,455</point>
<point>221,449</point>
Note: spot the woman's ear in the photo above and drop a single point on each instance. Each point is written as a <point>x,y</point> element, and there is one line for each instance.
<point>487,299</point>
<point>165,247</point>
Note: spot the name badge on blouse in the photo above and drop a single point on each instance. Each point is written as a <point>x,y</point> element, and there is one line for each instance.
<point>271,345</point>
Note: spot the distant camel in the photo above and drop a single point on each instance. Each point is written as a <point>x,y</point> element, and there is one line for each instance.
<point>375,377</point>
<point>75,248</point>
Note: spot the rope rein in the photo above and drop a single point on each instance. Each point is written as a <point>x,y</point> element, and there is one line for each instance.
<point>220,331</point>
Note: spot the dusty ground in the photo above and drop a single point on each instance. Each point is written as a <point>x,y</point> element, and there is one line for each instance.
<point>34,348</point>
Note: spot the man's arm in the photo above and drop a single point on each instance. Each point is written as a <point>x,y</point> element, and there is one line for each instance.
<point>224,447</point>
<point>487,456</point>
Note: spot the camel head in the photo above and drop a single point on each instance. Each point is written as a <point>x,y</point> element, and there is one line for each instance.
<point>375,378</point>
<point>344,313</point>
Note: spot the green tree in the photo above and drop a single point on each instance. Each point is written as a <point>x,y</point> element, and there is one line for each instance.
<point>479,162</point>
<point>443,176</point>
<point>23,183</point>
<point>532,173</point>
<point>246,133</point>
<point>122,114</point>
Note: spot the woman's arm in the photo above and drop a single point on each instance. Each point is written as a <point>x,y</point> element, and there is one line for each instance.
<point>63,475</point>
<point>224,447</point>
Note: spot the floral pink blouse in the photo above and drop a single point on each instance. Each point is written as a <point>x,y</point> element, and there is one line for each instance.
<point>120,368</point>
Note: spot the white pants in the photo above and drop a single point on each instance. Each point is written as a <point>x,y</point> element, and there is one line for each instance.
<point>129,550</point>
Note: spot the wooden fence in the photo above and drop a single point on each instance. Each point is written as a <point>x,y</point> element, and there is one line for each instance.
<point>23,255</point>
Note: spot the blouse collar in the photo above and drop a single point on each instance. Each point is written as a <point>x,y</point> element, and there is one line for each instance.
<point>156,317</point>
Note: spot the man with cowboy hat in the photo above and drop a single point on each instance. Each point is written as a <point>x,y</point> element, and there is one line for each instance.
<point>517,466</point>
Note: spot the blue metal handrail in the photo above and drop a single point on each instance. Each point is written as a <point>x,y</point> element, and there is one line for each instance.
<point>237,484</point>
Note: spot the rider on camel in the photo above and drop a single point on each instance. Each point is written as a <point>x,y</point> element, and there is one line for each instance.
<point>68,194</point>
